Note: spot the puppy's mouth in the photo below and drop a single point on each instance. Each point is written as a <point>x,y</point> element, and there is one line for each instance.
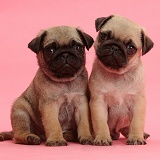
<point>65,65</point>
<point>65,71</point>
<point>112,56</point>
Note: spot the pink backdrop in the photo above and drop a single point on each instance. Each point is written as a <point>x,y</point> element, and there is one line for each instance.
<point>21,20</point>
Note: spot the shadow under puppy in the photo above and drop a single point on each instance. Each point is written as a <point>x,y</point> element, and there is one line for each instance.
<point>117,82</point>
<point>54,107</point>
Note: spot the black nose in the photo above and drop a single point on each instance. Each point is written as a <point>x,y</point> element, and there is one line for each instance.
<point>65,55</point>
<point>114,48</point>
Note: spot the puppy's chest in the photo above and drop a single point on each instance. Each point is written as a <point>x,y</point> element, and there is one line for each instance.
<point>120,92</point>
<point>121,86</point>
<point>66,111</point>
<point>120,100</point>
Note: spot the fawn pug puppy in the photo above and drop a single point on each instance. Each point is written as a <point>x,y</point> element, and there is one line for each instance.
<point>117,83</point>
<point>55,105</point>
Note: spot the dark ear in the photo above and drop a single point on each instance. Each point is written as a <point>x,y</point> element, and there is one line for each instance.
<point>35,44</point>
<point>147,43</point>
<point>101,21</point>
<point>87,39</point>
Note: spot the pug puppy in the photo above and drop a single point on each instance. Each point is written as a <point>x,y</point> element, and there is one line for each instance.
<point>116,83</point>
<point>55,107</point>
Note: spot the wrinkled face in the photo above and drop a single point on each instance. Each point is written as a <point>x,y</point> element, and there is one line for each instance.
<point>119,43</point>
<point>64,60</point>
<point>62,53</point>
<point>113,51</point>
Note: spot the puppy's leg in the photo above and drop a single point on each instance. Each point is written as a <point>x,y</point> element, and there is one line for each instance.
<point>82,119</point>
<point>21,124</point>
<point>125,132</point>
<point>53,131</point>
<point>6,136</point>
<point>136,130</point>
<point>99,116</point>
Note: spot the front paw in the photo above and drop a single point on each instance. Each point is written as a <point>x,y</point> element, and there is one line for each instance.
<point>86,140</point>
<point>61,142</point>
<point>99,141</point>
<point>33,139</point>
<point>135,141</point>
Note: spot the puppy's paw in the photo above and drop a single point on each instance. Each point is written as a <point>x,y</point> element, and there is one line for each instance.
<point>115,136</point>
<point>61,142</point>
<point>1,138</point>
<point>70,136</point>
<point>146,135</point>
<point>85,140</point>
<point>6,136</point>
<point>33,139</point>
<point>102,141</point>
<point>135,141</point>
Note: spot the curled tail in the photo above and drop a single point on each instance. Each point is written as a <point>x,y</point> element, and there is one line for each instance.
<point>6,136</point>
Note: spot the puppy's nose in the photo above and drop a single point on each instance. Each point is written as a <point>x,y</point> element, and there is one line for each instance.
<point>65,55</point>
<point>114,48</point>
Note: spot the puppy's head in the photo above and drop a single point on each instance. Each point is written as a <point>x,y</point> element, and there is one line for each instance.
<point>120,43</point>
<point>61,51</point>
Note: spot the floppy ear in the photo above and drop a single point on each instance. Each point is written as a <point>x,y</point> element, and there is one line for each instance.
<point>35,44</point>
<point>87,39</point>
<point>147,43</point>
<point>99,22</point>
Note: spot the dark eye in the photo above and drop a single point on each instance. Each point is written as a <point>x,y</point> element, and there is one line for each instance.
<point>50,50</point>
<point>131,49</point>
<point>103,36</point>
<point>79,48</point>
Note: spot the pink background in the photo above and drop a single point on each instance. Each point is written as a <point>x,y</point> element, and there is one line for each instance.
<point>21,20</point>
